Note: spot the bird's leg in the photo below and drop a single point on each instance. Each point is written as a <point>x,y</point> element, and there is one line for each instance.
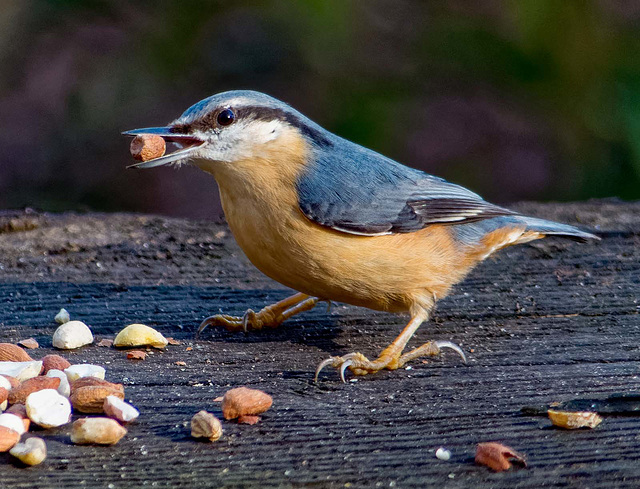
<point>390,358</point>
<point>268,317</point>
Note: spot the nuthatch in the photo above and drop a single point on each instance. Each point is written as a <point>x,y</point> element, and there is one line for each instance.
<point>339,222</point>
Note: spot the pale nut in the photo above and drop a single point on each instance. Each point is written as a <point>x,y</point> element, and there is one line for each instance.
<point>443,454</point>
<point>146,147</point>
<point>32,452</point>
<point>64,389</point>
<point>139,335</point>
<point>572,420</point>
<point>48,409</point>
<point>244,401</point>
<point>62,316</point>
<point>206,425</point>
<point>13,353</point>
<point>72,335</point>
<point>6,383</point>
<point>116,408</point>
<point>8,438</point>
<point>12,381</point>
<point>51,362</point>
<point>19,394</point>
<point>13,422</point>
<point>90,399</point>
<point>100,431</point>
<point>21,370</point>
<point>29,343</point>
<point>75,372</point>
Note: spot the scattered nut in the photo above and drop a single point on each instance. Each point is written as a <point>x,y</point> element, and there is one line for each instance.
<point>206,425</point>
<point>101,431</point>
<point>242,401</point>
<point>173,341</point>
<point>90,399</point>
<point>248,419</point>
<point>20,370</point>
<point>180,363</point>
<point>19,394</point>
<point>54,362</point>
<point>136,355</point>
<point>48,409</point>
<point>5,383</point>
<point>32,452</point>
<point>105,342</point>
<point>64,389</point>
<point>29,343</point>
<point>87,381</point>
<point>139,335</point>
<point>146,147</point>
<point>71,335</point>
<point>75,372</point>
<point>443,454</point>
<point>62,316</point>
<point>21,411</point>
<point>4,396</point>
<point>8,438</point>
<point>115,407</point>
<point>13,422</point>
<point>573,420</point>
<point>13,353</point>
<point>497,457</point>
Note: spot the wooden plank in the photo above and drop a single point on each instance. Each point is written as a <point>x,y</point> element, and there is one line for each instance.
<point>544,322</point>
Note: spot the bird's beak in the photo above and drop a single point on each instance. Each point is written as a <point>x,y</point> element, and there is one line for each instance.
<point>186,143</point>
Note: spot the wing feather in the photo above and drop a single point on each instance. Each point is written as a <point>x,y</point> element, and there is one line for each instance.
<point>355,190</point>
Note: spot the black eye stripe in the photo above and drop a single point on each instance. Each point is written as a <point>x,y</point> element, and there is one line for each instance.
<point>225,117</point>
<point>255,112</point>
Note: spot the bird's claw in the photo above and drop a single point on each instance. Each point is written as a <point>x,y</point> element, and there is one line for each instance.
<point>249,320</point>
<point>450,344</point>
<point>342,364</point>
<point>361,365</point>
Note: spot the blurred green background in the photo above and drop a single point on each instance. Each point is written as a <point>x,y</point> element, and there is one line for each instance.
<point>534,99</point>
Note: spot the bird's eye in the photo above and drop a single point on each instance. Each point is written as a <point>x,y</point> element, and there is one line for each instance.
<point>226,117</point>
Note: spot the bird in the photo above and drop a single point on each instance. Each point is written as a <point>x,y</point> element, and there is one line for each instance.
<point>336,221</point>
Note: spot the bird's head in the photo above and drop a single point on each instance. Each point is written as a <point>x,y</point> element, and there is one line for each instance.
<point>233,128</point>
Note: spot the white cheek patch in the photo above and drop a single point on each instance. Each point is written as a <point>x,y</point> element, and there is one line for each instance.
<point>260,132</point>
<point>242,139</point>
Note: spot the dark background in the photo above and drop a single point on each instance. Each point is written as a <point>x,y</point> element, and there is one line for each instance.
<point>535,99</point>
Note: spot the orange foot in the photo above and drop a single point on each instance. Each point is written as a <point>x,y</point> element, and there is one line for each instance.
<point>390,359</point>
<point>269,317</point>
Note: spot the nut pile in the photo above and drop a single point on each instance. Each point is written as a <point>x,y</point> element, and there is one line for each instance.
<point>47,392</point>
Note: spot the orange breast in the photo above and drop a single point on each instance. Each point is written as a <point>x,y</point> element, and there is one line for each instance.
<point>395,272</point>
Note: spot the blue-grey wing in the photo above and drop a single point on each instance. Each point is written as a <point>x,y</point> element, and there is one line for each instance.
<point>355,190</point>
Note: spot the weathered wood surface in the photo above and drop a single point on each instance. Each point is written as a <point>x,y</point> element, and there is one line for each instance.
<point>549,321</point>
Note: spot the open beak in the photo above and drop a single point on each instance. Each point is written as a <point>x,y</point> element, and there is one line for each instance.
<point>187,145</point>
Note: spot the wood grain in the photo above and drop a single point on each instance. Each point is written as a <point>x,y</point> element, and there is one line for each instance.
<point>548,321</point>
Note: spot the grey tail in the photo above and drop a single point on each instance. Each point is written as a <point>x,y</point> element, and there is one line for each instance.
<point>551,228</point>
